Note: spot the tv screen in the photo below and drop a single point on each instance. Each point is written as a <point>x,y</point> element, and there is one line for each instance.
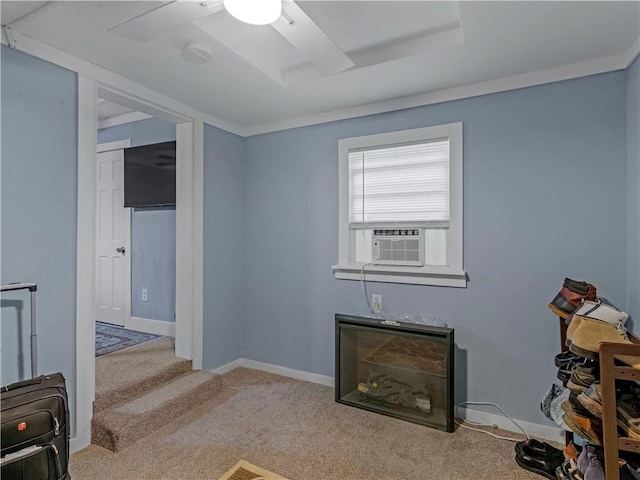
<point>150,175</point>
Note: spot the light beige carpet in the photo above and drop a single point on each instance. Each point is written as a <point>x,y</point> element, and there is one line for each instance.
<point>243,470</point>
<point>297,430</point>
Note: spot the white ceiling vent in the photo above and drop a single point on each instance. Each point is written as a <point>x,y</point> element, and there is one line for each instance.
<point>197,53</point>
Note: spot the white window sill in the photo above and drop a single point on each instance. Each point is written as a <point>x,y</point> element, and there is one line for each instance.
<point>442,277</point>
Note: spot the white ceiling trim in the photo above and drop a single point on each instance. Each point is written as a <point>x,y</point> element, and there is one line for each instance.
<point>540,77</point>
<point>114,80</point>
<point>566,72</point>
<point>121,119</point>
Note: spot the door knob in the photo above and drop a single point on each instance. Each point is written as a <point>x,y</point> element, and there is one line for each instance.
<point>120,250</point>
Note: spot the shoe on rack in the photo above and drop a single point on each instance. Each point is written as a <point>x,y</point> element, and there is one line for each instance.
<point>591,399</point>
<point>590,333</point>
<point>572,451</point>
<point>583,460</point>
<point>573,406</point>
<point>628,414</point>
<point>571,296</point>
<point>553,392</point>
<point>566,359</point>
<point>594,470</point>
<point>627,472</point>
<point>589,428</point>
<point>556,411</point>
<point>568,471</point>
<point>582,377</point>
<point>563,375</point>
<point>597,311</point>
<point>602,311</point>
<point>574,323</point>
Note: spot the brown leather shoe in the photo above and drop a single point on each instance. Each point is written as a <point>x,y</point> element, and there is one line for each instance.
<point>571,296</point>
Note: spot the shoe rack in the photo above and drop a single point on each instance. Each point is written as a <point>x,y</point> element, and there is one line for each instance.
<point>568,436</point>
<point>609,373</point>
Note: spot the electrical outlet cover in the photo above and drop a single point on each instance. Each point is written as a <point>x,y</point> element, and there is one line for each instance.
<point>376,303</point>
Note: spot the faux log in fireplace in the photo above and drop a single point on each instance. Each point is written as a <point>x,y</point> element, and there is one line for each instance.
<point>398,369</point>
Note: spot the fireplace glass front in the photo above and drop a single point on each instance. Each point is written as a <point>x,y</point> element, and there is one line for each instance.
<point>402,370</point>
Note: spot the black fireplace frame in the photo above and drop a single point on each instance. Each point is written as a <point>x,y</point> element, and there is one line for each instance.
<point>446,335</point>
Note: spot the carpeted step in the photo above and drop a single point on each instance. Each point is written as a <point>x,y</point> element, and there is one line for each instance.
<point>126,374</point>
<point>119,427</point>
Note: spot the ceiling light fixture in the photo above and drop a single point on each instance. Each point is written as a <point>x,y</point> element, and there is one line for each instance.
<point>255,12</point>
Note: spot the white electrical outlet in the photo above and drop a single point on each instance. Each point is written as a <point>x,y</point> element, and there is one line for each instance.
<point>144,294</point>
<point>376,303</point>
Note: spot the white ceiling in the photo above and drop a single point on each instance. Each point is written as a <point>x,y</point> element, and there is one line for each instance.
<point>336,55</point>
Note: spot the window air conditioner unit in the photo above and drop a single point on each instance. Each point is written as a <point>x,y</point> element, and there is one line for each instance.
<point>398,246</point>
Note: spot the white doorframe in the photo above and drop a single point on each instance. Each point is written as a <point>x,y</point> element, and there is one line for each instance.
<point>189,259</point>
<point>107,147</point>
<point>189,248</point>
<point>117,145</point>
<point>85,261</point>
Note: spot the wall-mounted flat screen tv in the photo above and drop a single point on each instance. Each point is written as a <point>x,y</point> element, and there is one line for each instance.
<point>150,175</point>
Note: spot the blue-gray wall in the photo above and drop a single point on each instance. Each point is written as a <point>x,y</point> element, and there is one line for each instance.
<point>224,227</point>
<point>142,132</point>
<point>38,215</point>
<point>153,232</point>
<point>633,193</point>
<point>544,198</point>
<point>153,263</point>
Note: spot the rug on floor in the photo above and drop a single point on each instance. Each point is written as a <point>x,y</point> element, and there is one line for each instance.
<point>243,470</point>
<point>110,338</point>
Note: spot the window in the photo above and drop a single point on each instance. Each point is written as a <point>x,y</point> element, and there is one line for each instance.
<point>401,207</point>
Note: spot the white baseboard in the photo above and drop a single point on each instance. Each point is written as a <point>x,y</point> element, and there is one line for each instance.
<point>277,369</point>
<point>78,443</point>
<point>227,367</point>
<point>155,327</point>
<point>288,372</point>
<point>553,434</point>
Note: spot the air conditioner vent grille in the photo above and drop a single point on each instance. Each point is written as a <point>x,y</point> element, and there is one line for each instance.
<point>398,246</point>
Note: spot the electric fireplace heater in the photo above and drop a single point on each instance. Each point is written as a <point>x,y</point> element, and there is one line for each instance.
<point>402,370</point>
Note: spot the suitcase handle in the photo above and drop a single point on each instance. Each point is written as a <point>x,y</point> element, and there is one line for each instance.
<point>24,383</point>
<point>32,287</point>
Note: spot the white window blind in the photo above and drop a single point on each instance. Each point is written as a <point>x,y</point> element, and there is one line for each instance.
<point>401,183</point>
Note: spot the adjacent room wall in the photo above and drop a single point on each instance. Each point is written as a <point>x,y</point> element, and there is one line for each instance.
<point>633,194</point>
<point>224,228</point>
<point>153,263</point>
<point>153,232</point>
<point>544,198</point>
<point>38,216</point>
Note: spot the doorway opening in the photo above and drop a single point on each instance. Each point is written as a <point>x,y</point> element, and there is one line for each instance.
<point>188,238</point>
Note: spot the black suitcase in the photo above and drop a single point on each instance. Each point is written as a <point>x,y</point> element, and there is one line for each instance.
<point>34,415</point>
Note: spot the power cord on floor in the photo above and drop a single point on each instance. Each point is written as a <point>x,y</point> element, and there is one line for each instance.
<point>484,425</point>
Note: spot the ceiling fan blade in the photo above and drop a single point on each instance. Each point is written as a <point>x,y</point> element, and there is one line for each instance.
<point>309,39</point>
<point>165,18</point>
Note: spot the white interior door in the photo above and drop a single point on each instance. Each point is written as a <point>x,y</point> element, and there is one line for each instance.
<point>113,282</point>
